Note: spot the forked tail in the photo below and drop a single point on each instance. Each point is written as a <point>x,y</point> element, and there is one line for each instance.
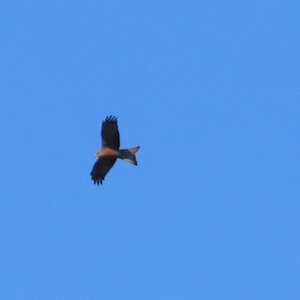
<point>129,154</point>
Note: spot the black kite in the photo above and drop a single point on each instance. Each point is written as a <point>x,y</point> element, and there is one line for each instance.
<point>110,150</point>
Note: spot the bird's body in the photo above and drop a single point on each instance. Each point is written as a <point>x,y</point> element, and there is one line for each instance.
<point>106,151</point>
<point>110,151</point>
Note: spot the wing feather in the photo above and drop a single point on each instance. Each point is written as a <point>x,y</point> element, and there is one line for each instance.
<point>101,168</point>
<point>110,133</point>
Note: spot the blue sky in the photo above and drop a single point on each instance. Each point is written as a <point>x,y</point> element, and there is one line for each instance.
<point>209,90</point>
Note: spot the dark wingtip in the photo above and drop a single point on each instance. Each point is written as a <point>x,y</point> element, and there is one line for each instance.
<point>97,180</point>
<point>111,118</point>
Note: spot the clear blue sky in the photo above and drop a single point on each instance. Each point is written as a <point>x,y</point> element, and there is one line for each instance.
<point>210,90</point>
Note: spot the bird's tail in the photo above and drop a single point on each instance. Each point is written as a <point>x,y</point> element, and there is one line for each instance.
<point>129,154</point>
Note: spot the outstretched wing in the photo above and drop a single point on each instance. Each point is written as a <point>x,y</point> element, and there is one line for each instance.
<point>101,168</point>
<point>110,133</point>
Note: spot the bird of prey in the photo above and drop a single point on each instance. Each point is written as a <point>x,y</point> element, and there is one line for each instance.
<point>110,150</point>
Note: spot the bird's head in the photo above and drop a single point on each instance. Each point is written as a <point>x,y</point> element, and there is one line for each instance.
<point>98,154</point>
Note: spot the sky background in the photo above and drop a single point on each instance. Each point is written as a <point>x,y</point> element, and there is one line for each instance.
<point>209,90</point>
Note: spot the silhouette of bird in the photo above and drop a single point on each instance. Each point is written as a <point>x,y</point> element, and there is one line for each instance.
<point>110,150</point>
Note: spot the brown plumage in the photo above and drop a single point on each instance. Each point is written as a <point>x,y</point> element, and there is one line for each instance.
<point>110,150</point>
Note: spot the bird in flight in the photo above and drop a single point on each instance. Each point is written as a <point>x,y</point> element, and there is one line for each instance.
<point>110,150</point>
